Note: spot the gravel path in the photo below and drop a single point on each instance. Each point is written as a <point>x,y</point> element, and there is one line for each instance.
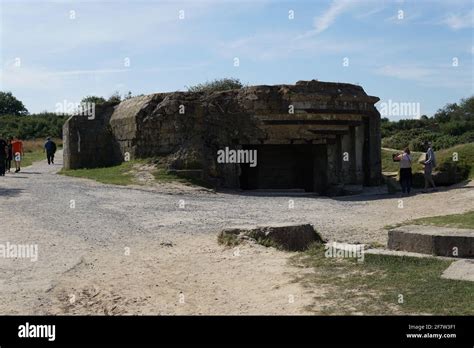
<point>115,250</point>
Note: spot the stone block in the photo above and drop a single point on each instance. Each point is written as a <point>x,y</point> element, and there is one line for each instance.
<point>440,241</point>
<point>287,237</point>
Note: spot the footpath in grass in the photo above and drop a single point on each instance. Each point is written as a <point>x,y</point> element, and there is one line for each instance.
<point>384,284</point>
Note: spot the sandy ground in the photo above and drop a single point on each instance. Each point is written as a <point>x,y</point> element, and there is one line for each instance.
<point>106,249</point>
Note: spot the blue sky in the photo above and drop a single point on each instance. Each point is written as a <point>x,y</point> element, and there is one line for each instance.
<point>56,51</point>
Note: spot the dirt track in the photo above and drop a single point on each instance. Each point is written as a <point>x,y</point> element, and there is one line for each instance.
<point>134,250</point>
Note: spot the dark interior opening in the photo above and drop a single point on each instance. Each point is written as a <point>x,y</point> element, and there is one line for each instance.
<point>285,167</point>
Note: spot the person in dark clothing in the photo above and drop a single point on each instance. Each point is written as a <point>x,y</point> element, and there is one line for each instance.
<point>405,170</point>
<point>50,148</point>
<point>3,155</point>
<point>8,161</point>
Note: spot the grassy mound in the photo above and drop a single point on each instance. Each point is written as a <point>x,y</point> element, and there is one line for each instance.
<point>454,165</point>
<point>465,160</point>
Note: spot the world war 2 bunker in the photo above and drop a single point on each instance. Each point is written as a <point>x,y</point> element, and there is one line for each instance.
<point>317,136</point>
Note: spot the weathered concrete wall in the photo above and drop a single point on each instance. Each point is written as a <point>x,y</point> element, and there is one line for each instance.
<point>89,142</point>
<point>189,128</point>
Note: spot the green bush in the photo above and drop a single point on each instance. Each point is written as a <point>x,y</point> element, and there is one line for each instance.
<point>33,126</point>
<point>217,85</point>
<point>449,126</point>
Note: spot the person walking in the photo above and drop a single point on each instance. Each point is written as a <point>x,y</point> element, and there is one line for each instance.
<point>17,151</point>
<point>50,148</point>
<point>3,155</point>
<point>430,164</point>
<point>405,170</point>
<point>8,161</point>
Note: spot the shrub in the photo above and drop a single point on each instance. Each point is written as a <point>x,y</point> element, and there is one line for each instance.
<point>450,125</point>
<point>217,85</point>
<point>33,126</point>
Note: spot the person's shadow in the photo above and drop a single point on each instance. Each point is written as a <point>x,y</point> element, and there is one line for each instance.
<point>8,192</point>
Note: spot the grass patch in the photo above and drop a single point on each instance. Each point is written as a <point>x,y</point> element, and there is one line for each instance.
<point>266,242</point>
<point>162,174</point>
<point>375,285</point>
<point>234,239</point>
<point>228,239</point>
<point>124,174</point>
<point>465,159</point>
<point>464,220</point>
<point>30,157</point>
<point>116,175</point>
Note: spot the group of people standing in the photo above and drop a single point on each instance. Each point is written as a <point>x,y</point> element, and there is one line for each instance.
<point>405,161</point>
<point>10,150</point>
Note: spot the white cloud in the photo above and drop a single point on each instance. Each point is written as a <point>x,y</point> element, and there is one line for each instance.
<point>443,76</point>
<point>38,78</point>
<point>281,45</point>
<point>459,21</point>
<point>404,72</point>
<point>366,14</point>
<point>47,29</point>
<point>322,22</point>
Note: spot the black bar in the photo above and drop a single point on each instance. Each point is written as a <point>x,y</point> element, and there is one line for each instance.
<point>260,330</point>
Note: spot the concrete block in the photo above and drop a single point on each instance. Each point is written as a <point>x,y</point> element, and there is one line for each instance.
<point>288,237</point>
<point>441,241</point>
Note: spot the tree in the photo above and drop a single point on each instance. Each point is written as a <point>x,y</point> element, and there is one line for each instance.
<point>9,105</point>
<point>217,85</point>
<point>444,114</point>
<point>93,99</point>
<point>129,95</point>
<point>115,98</point>
<point>466,110</point>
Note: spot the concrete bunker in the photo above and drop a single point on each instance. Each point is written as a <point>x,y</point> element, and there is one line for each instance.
<point>298,166</point>
<point>315,136</point>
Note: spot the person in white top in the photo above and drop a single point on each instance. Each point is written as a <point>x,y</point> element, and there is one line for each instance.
<point>405,170</point>
<point>430,164</point>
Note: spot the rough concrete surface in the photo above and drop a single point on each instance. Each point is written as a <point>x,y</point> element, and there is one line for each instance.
<point>441,241</point>
<point>460,270</point>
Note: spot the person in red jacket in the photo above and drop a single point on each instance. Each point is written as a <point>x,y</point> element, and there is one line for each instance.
<point>17,149</point>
